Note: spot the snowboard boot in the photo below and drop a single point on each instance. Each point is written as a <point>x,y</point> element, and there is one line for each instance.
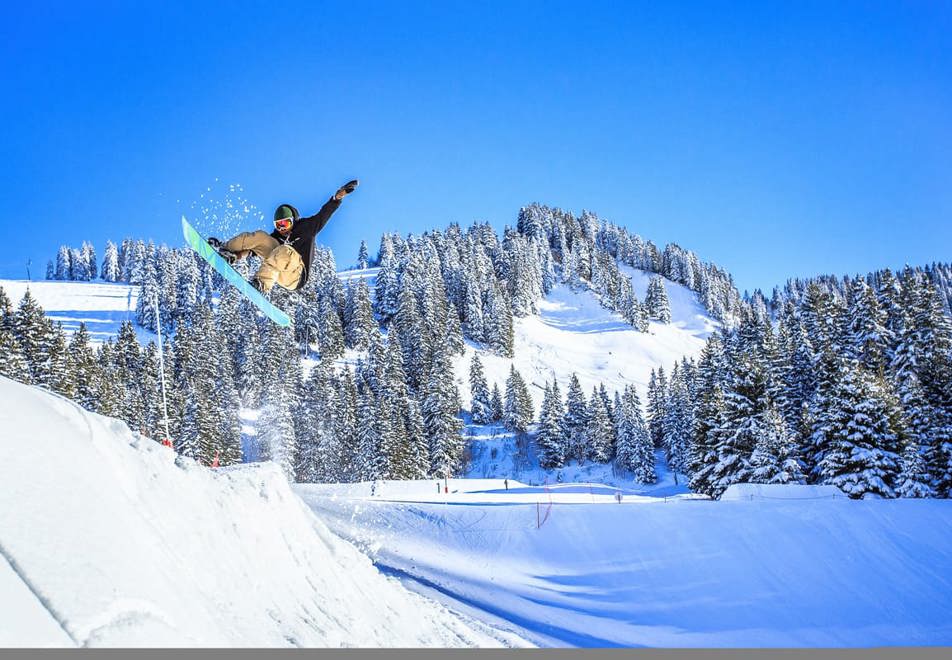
<point>256,285</point>
<point>346,189</point>
<point>227,255</point>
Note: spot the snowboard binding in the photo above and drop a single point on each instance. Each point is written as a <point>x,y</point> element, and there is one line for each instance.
<point>227,255</point>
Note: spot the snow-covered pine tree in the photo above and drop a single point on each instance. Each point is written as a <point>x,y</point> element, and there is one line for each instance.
<point>933,349</point>
<point>394,401</point>
<point>209,424</point>
<point>89,258</point>
<point>794,371</point>
<point>12,362</point>
<point>125,257</point>
<point>774,459</point>
<point>187,288</point>
<point>481,406</point>
<point>418,450</point>
<point>108,392</point>
<point>148,295</point>
<point>63,263</point>
<point>127,362</point>
<point>387,282</point>
<point>914,479</point>
<point>576,421</point>
<point>551,437</point>
<point>58,376</point>
<point>745,399</point>
<point>453,334</point>
<point>139,261</point>
<point>342,464</point>
<point>524,274</point>
<point>228,448</point>
<point>330,333</point>
<point>151,394</point>
<point>601,432</point>
<point>440,409</point>
<point>496,404</point>
<point>889,294</point>
<point>656,300</point>
<point>373,462</point>
<point>678,423</point>
<point>363,258</point>
<point>868,338</point>
<point>473,312</point>
<point>856,446</point>
<point>657,388</point>
<point>30,329</point>
<point>636,314</point>
<point>497,319</point>
<point>311,412</point>
<point>110,263</point>
<point>819,313</point>
<point>195,424</point>
<point>7,316</point>
<point>360,318</point>
<point>518,411</point>
<point>635,452</point>
<point>78,268</point>
<point>166,269</point>
<point>415,341</point>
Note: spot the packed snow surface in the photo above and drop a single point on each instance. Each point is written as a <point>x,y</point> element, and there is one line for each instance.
<point>106,539</point>
<point>780,492</point>
<point>576,565</point>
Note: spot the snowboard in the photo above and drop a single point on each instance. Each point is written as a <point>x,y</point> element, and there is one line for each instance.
<point>208,253</point>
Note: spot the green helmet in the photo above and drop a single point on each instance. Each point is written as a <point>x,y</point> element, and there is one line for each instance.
<point>284,212</point>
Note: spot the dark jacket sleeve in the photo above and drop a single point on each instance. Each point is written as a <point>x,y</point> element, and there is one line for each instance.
<point>310,226</point>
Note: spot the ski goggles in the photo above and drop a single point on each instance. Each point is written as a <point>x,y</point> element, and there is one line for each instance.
<point>284,223</point>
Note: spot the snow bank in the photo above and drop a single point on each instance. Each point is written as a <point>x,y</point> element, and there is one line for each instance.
<point>781,492</point>
<point>107,540</point>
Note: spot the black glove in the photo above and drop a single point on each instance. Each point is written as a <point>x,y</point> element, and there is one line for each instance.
<point>346,189</point>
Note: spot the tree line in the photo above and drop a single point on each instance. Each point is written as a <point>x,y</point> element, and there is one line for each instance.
<point>848,386</point>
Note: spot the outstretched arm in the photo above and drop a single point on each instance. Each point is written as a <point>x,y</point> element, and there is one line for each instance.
<point>316,222</point>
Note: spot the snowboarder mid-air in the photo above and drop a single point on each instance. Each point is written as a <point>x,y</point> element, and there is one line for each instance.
<point>287,251</point>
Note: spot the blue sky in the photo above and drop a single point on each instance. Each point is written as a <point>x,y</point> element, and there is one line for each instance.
<point>783,139</point>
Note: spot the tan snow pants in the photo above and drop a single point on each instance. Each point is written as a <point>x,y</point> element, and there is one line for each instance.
<point>281,264</point>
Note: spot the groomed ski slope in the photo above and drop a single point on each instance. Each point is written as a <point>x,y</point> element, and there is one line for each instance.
<point>765,566</point>
<point>573,333</point>
<point>101,306</point>
<point>107,540</point>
